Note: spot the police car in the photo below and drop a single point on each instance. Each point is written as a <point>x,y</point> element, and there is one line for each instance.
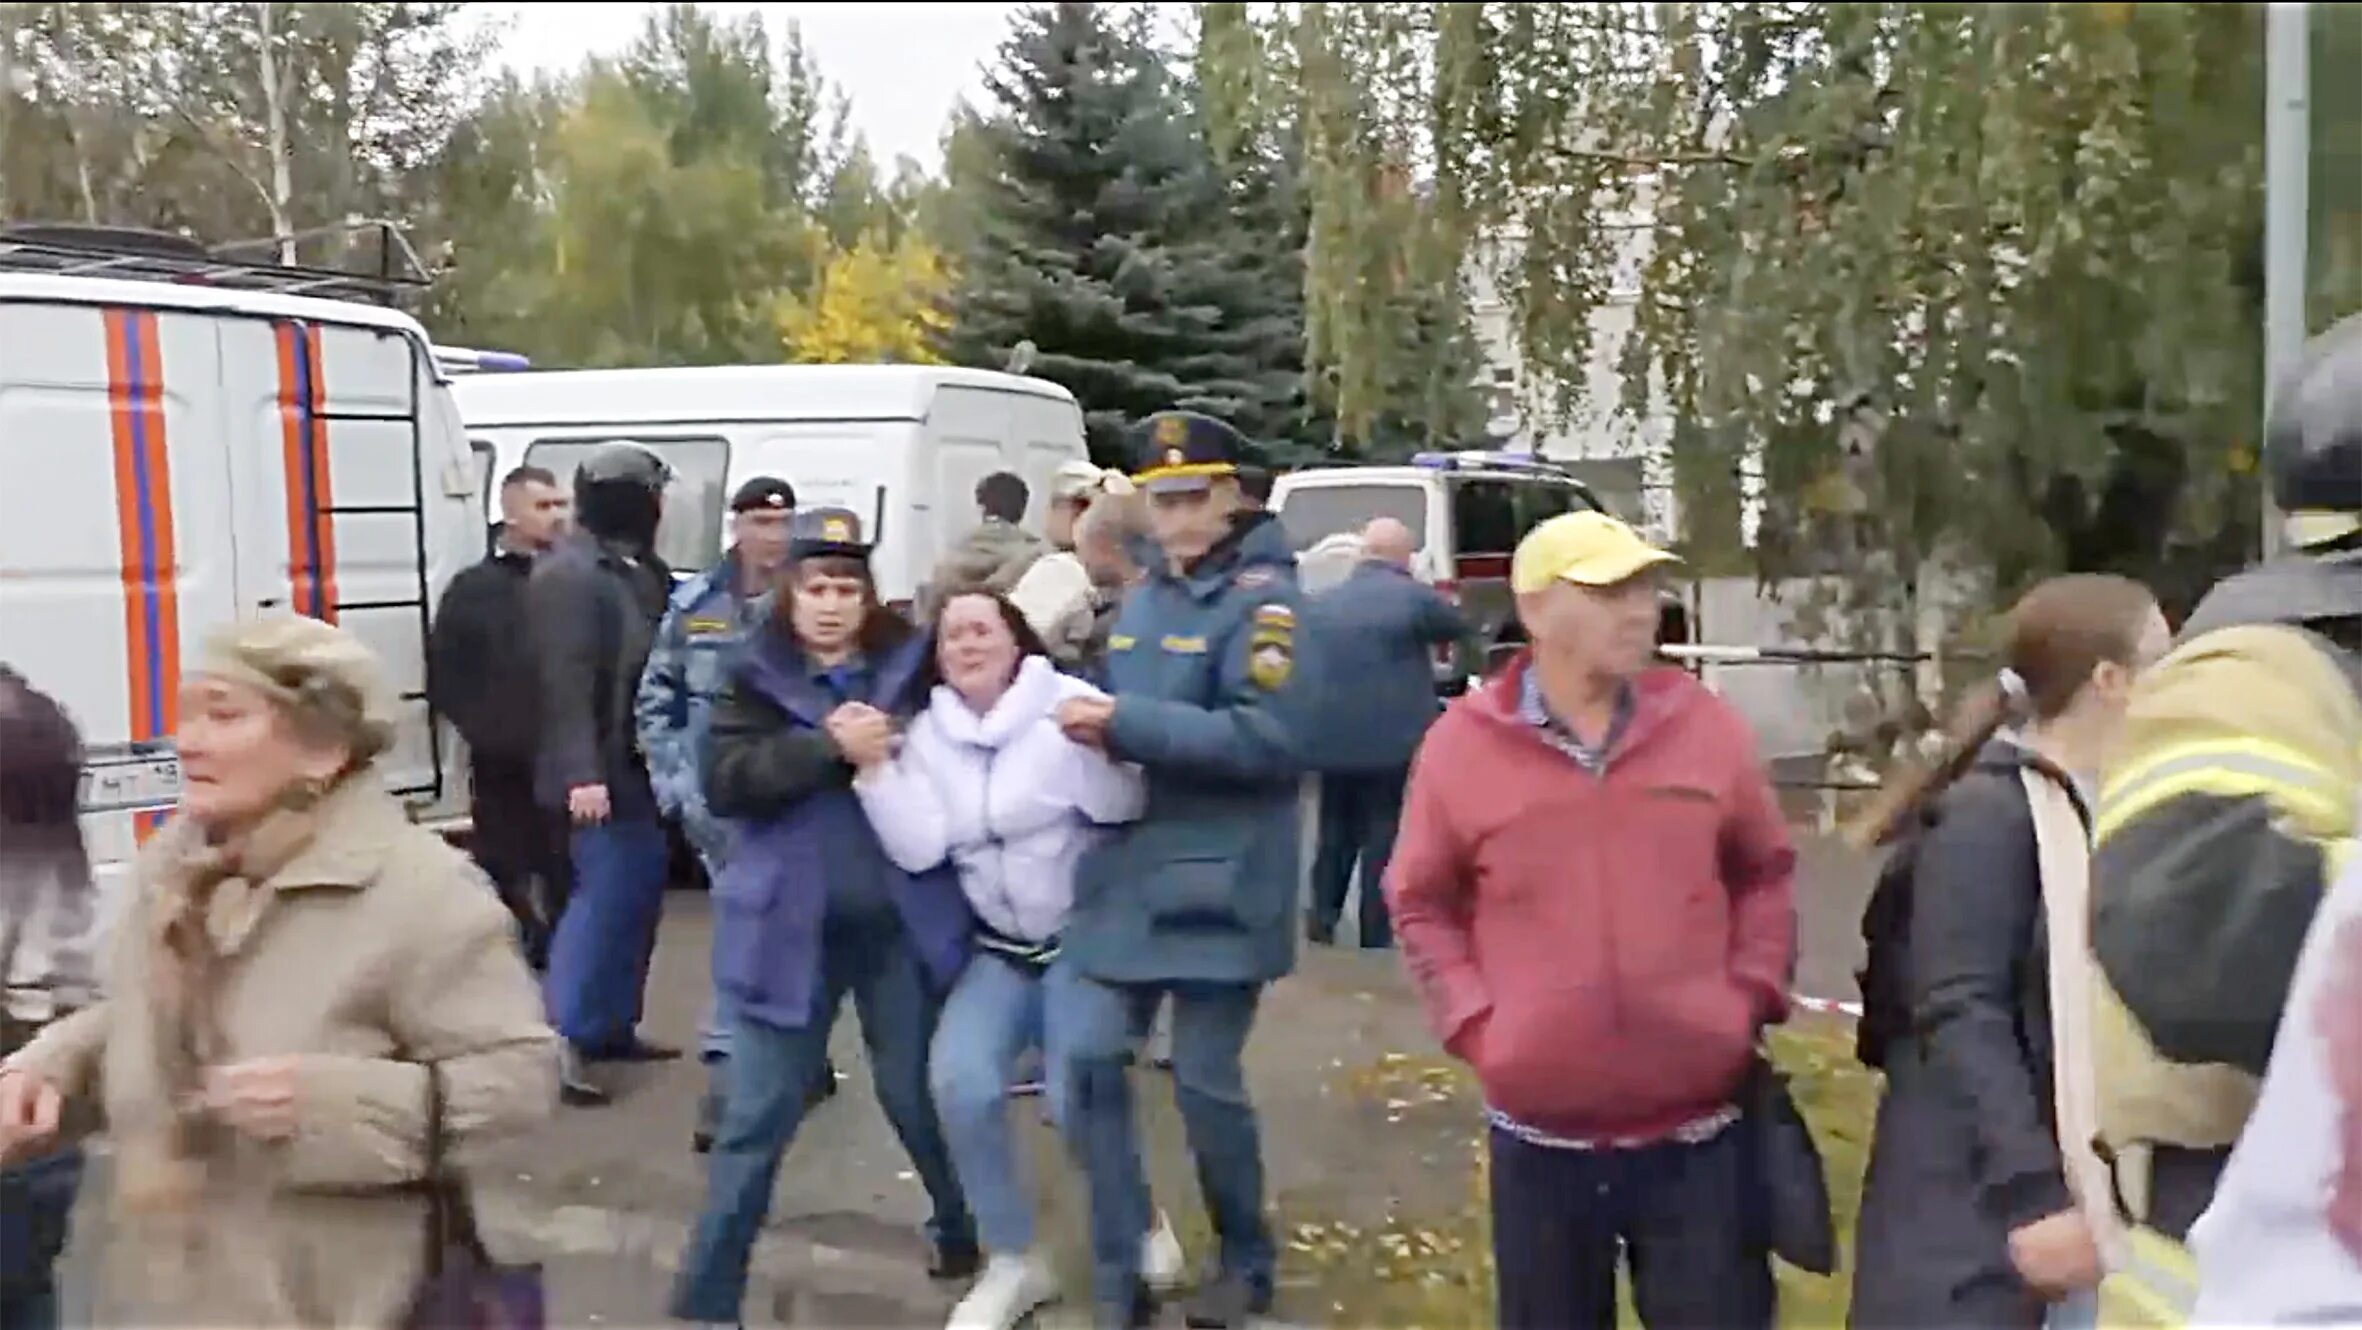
<point>1466,511</point>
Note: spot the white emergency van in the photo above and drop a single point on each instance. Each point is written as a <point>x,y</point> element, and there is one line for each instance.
<point>901,445</point>
<point>184,447</point>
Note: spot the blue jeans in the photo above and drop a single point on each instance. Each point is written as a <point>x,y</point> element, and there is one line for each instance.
<point>1104,1024</point>
<point>771,1072</point>
<point>713,1034</point>
<point>598,962</point>
<point>999,1011</point>
<point>36,1202</point>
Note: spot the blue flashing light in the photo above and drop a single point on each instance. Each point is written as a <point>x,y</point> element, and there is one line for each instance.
<point>1497,461</point>
<point>468,360</point>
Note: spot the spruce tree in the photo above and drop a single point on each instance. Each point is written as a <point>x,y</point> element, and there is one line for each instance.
<point>1103,236</point>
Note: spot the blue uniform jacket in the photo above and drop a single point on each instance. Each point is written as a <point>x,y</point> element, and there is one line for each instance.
<point>1208,676</point>
<point>1376,629</point>
<point>772,769</point>
<point>704,626</point>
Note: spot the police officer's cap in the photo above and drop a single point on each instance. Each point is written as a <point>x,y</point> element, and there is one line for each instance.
<point>2313,443</point>
<point>764,494</point>
<point>626,464</point>
<point>823,533</point>
<point>1177,451</point>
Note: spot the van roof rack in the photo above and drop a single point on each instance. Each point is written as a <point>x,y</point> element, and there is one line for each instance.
<point>245,265</point>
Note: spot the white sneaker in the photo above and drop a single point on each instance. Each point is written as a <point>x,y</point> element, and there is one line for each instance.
<point>1163,1265</point>
<point>1006,1293</point>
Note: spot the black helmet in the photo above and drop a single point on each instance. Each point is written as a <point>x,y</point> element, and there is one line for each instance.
<point>624,463</point>
<point>2313,440</point>
<point>618,493</point>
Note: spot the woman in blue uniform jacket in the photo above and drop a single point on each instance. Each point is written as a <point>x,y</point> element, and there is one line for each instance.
<point>810,909</point>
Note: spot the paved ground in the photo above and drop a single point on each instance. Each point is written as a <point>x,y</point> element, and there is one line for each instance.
<point>605,1196</point>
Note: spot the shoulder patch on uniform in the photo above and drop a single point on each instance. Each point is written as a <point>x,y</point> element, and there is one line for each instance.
<point>1271,646</point>
<point>1257,576</point>
<point>702,625</point>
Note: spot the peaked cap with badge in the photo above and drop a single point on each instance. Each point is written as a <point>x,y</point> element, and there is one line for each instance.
<point>1179,451</point>
<point>825,533</point>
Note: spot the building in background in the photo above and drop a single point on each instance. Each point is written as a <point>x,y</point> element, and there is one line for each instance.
<point>1623,459</point>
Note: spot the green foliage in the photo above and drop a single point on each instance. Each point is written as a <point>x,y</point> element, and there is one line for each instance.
<point>653,208</point>
<point>1097,234</point>
<point>1985,275</point>
<point>1150,249</point>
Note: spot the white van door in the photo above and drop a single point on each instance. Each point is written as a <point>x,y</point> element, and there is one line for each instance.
<point>332,483</point>
<point>967,438</point>
<point>116,549</point>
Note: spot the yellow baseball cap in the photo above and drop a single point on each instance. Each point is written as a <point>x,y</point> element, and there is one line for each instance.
<point>1586,548</point>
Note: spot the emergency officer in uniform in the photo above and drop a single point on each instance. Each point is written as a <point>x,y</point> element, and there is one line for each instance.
<point>2234,798</point>
<point>1196,902</point>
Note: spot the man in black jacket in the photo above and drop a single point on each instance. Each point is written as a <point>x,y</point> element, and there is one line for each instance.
<point>482,676</point>
<point>594,604</point>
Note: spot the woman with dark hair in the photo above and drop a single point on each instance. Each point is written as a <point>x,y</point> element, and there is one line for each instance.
<point>1973,1214</point>
<point>810,909</point>
<point>45,970</point>
<point>988,783</point>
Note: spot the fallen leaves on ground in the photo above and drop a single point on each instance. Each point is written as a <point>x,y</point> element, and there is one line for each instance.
<point>1434,1268</point>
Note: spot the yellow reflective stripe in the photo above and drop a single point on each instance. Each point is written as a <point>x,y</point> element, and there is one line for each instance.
<point>2157,1286</point>
<point>2123,781</point>
<point>2234,769</point>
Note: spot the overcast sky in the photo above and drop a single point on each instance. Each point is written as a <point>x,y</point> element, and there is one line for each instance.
<point>903,65</point>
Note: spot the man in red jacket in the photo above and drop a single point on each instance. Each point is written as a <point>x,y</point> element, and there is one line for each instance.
<point>1592,889</point>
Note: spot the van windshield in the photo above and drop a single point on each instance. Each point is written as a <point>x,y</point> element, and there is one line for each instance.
<point>1313,513</point>
<point>690,537</point>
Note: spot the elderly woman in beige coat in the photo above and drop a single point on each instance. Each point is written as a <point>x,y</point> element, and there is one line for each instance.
<point>295,953</point>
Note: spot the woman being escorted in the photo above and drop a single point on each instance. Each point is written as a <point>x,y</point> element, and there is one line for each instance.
<point>1971,1214</point>
<point>295,956</point>
<point>810,910</point>
<point>986,781</point>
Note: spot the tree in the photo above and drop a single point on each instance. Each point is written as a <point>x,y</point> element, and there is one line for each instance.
<point>1096,235</point>
<point>229,120</point>
<point>1968,283</point>
<point>880,301</point>
<point>653,260</point>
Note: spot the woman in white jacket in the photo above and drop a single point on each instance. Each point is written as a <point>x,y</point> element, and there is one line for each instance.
<point>985,779</point>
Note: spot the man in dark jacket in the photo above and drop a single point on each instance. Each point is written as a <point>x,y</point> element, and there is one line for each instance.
<point>1195,902</point>
<point>1383,623</point>
<point>483,676</point>
<point>594,604</point>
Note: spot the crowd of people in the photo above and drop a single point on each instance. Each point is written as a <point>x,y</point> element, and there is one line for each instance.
<point>2110,973</point>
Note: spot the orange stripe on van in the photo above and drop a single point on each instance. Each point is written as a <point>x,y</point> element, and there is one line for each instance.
<point>303,448</point>
<point>323,488</point>
<point>144,529</point>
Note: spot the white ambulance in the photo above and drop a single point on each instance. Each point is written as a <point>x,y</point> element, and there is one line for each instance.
<point>187,443</point>
<point>901,445</point>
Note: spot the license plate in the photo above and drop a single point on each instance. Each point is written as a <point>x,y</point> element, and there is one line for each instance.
<point>121,784</point>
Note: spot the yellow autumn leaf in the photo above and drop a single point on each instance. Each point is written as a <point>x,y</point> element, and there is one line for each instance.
<point>877,302</point>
